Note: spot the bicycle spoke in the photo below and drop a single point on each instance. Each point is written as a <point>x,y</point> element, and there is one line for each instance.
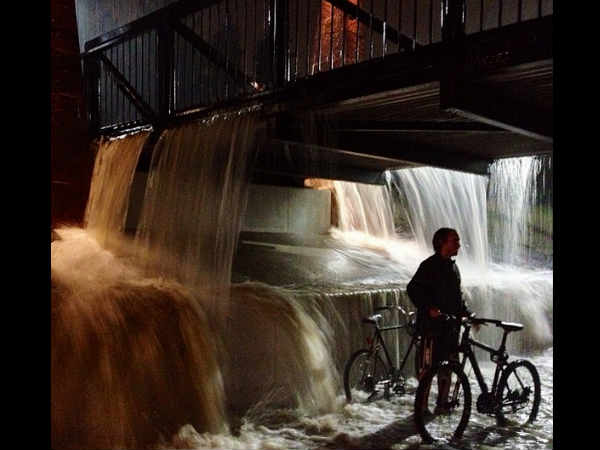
<point>519,394</point>
<point>443,405</point>
<point>364,375</point>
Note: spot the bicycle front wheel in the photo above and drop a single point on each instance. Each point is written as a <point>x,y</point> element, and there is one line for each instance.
<point>363,371</point>
<point>519,394</point>
<point>443,403</point>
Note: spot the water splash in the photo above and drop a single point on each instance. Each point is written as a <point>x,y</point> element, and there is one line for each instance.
<point>425,199</point>
<point>150,340</point>
<point>280,351</point>
<point>133,358</point>
<point>149,335</point>
<point>379,424</point>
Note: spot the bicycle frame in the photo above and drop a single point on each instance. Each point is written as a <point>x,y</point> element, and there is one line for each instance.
<point>498,356</point>
<point>378,343</point>
<point>380,374</point>
<point>493,401</point>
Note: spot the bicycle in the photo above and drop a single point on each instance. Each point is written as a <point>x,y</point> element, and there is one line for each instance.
<point>515,391</point>
<point>367,371</point>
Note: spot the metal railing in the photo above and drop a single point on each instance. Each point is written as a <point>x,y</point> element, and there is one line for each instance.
<point>195,54</point>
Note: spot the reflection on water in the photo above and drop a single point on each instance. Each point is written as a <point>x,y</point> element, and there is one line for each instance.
<point>381,424</point>
<point>233,345</point>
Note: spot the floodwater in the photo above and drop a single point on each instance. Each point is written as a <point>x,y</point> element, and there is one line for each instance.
<point>108,305</point>
<point>381,424</point>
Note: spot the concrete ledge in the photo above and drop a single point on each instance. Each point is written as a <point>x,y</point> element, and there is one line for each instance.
<point>280,209</point>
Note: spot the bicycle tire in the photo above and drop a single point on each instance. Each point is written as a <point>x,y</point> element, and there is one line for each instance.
<point>519,380</point>
<point>362,372</point>
<point>448,426</point>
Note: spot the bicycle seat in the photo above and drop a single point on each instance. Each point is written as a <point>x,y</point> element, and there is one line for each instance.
<point>510,326</point>
<point>373,319</point>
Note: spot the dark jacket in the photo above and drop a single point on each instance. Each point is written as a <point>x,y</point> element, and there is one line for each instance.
<point>436,284</point>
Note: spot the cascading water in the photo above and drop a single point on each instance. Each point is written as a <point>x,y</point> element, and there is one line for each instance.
<point>423,200</point>
<point>509,188</point>
<point>194,200</point>
<point>519,218</point>
<point>363,208</point>
<point>133,358</point>
<point>112,335</point>
<point>437,198</point>
<point>431,198</point>
<point>106,210</point>
<point>149,335</point>
<point>152,346</point>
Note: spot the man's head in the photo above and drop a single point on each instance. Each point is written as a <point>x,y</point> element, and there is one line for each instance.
<point>446,242</point>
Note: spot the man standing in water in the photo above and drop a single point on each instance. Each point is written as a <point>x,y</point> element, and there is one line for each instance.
<point>435,290</point>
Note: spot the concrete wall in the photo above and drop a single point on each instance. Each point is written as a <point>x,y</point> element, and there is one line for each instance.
<point>279,209</point>
<point>272,209</point>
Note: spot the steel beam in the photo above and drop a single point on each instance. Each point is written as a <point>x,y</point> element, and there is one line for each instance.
<point>473,72</point>
<point>408,151</point>
<point>155,19</point>
<point>210,53</point>
<point>298,159</point>
<point>128,90</point>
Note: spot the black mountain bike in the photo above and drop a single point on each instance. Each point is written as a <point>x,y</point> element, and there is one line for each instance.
<point>514,397</point>
<point>371,370</point>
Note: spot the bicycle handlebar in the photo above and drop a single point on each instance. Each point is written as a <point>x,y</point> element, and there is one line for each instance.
<point>466,319</point>
<point>471,319</point>
<point>375,318</point>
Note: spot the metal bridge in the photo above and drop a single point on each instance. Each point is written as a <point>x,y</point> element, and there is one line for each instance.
<point>350,88</point>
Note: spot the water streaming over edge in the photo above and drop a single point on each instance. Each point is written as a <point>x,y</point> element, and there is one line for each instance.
<point>273,420</point>
<point>114,168</point>
<point>431,198</point>
<point>162,304</point>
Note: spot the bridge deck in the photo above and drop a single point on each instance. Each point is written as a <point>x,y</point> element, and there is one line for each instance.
<point>458,102</point>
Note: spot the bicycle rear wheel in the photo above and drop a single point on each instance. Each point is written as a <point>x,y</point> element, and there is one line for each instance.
<point>363,371</point>
<point>440,418</point>
<point>519,394</point>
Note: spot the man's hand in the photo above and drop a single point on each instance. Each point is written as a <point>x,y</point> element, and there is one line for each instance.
<point>434,312</point>
<point>475,326</point>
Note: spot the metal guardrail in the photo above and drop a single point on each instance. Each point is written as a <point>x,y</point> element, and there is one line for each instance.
<point>195,54</point>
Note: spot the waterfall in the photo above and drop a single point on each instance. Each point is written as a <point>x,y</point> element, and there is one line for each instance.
<point>439,198</point>
<point>148,334</point>
<point>519,217</point>
<point>424,199</point>
<point>115,164</point>
<point>373,217</point>
<point>194,201</point>
<point>133,358</point>
<point>116,331</point>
